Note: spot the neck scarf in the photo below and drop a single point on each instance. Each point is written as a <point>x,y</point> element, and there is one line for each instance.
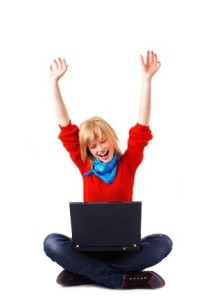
<point>105,171</point>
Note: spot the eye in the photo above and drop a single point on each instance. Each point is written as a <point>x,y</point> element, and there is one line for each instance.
<point>103,141</point>
<point>92,147</point>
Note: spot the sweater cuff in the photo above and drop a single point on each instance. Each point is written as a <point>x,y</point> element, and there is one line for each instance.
<point>66,126</point>
<point>142,127</point>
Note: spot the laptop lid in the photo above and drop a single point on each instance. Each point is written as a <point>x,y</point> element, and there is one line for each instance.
<point>112,226</point>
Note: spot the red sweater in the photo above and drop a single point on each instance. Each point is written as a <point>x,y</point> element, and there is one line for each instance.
<point>121,189</point>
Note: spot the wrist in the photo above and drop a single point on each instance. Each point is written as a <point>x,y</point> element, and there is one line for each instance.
<point>146,78</point>
<point>53,81</point>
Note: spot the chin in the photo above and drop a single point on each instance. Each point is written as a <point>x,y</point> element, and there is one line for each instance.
<point>105,160</point>
<point>109,159</point>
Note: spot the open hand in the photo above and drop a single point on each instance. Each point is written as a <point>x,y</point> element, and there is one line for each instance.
<point>151,66</point>
<point>58,68</point>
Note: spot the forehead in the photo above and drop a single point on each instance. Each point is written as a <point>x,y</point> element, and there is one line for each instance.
<point>97,138</point>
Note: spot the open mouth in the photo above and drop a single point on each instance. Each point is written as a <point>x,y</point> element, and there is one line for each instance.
<point>104,154</point>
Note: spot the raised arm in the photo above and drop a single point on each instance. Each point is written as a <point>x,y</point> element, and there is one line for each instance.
<point>57,70</point>
<point>148,68</point>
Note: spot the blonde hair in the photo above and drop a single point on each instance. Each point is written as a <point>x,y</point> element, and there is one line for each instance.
<point>92,129</point>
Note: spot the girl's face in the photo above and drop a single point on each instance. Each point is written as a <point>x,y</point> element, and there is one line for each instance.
<point>102,149</point>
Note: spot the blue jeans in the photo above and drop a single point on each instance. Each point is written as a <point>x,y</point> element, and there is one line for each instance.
<point>107,268</point>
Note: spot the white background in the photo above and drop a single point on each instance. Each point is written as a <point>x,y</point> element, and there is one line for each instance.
<point>102,41</point>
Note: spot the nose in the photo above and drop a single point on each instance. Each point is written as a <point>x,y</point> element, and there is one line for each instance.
<point>100,148</point>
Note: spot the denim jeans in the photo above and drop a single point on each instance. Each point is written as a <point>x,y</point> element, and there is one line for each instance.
<point>107,268</point>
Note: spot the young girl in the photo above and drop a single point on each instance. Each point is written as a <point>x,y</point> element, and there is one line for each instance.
<point>108,175</point>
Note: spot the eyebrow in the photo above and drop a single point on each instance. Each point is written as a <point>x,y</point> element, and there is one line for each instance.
<point>100,140</point>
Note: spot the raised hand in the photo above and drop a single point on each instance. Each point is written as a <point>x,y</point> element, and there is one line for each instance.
<point>151,66</point>
<point>58,68</point>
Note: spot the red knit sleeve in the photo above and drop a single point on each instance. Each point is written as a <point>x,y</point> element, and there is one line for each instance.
<point>139,136</point>
<point>69,135</point>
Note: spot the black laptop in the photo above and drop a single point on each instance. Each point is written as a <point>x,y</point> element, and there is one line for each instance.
<point>112,226</point>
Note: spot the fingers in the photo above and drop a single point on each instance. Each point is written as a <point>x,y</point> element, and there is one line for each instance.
<point>151,65</point>
<point>58,64</point>
<point>158,64</point>
<point>142,61</point>
<point>156,61</point>
<point>148,57</point>
<point>151,59</point>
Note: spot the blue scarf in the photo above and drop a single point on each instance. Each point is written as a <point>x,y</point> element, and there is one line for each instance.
<point>105,171</point>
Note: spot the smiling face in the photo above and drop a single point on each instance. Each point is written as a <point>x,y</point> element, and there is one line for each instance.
<point>97,139</point>
<point>102,149</point>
